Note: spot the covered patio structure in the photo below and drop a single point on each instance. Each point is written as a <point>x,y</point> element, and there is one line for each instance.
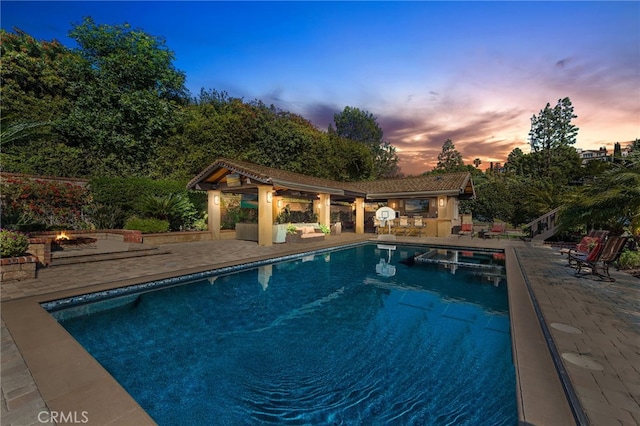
<point>439,195</point>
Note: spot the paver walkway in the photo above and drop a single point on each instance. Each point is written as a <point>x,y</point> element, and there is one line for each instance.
<point>595,326</point>
<point>605,314</point>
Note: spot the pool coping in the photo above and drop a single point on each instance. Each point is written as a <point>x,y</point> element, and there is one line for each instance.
<point>54,357</point>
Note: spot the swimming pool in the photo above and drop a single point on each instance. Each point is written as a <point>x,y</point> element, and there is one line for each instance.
<point>354,336</point>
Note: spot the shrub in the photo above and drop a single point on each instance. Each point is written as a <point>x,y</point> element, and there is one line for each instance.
<point>34,203</point>
<point>12,243</point>
<point>128,195</point>
<point>147,225</point>
<point>104,217</point>
<point>629,259</point>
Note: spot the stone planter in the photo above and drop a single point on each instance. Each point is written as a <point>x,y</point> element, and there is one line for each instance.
<point>18,268</point>
<point>304,238</point>
<point>280,232</point>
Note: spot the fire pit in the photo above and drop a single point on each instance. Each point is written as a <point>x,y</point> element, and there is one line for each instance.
<point>63,241</point>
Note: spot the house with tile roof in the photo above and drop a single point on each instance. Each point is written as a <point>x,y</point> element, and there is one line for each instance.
<point>438,195</point>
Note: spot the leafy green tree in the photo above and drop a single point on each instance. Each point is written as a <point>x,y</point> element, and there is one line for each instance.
<point>127,97</point>
<point>362,126</point>
<point>449,160</point>
<point>216,125</point>
<point>36,91</point>
<point>35,78</point>
<point>493,198</point>
<point>357,125</point>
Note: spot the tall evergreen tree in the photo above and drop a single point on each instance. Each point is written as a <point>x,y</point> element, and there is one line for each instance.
<point>552,130</point>
<point>449,160</point>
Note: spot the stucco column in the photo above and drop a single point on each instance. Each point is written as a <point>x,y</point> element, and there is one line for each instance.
<point>214,200</point>
<point>265,215</point>
<point>359,215</point>
<point>445,211</point>
<point>323,209</point>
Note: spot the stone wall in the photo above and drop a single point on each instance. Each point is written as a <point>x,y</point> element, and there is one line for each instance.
<point>18,268</point>
<point>41,249</point>
<point>184,237</point>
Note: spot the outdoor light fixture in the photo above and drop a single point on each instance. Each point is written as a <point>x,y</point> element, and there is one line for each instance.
<point>216,200</point>
<point>441,202</point>
<point>279,204</point>
<point>393,205</point>
<point>269,197</point>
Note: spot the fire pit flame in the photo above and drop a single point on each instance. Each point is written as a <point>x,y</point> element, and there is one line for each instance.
<point>62,236</point>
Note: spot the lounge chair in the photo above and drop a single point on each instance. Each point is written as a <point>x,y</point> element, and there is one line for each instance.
<point>600,257</point>
<point>497,230</point>
<point>418,228</point>
<point>403,226</point>
<point>466,229</point>
<point>585,246</point>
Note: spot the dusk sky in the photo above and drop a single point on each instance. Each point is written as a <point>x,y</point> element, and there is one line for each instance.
<point>472,72</point>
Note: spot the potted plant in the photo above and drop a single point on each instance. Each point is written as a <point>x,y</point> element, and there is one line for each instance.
<point>292,234</point>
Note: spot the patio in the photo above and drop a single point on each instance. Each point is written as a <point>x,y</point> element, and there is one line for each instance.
<point>603,371</point>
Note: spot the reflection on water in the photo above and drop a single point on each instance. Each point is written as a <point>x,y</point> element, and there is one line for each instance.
<point>384,267</point>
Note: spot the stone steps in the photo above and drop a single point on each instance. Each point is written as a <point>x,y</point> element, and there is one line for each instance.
<point>79,257</point>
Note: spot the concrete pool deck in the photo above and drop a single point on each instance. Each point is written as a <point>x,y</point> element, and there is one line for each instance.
<point>594,327</point>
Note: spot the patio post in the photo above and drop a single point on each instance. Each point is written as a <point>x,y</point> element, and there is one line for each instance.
<point>214,201</point>
<point>323,207</point>
<point>359,215</point>
<point>265,215</point>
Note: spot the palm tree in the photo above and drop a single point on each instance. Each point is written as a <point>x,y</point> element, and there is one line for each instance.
<point>612,199</point>
<point>17,131</point>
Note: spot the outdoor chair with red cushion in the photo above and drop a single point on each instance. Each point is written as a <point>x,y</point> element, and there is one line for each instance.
<point>585,246</point>
<point>497,229</point>
<point>600,257</point>
<point>466,229</point>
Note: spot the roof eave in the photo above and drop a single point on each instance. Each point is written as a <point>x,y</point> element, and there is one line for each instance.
<point>412,194</point>
<point>307,188</point>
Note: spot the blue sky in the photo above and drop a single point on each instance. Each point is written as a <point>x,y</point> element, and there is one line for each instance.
<point>474,72</point>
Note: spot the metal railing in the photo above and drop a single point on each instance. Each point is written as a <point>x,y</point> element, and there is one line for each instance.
<point>544,226</point>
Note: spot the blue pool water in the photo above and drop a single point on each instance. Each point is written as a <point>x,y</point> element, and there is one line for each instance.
<point>354,336</point>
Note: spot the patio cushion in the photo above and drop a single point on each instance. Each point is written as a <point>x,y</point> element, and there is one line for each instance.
<point>498,227</point>
<point>587,243</point>
<point>467,227</point>
<point>593,254</point>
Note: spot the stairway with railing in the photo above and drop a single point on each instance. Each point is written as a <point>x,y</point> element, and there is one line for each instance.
<point>544,226</point>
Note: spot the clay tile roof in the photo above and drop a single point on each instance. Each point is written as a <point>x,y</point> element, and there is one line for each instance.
<point>450,183</point>
<point>445,184</point>
<point>270,175</point>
